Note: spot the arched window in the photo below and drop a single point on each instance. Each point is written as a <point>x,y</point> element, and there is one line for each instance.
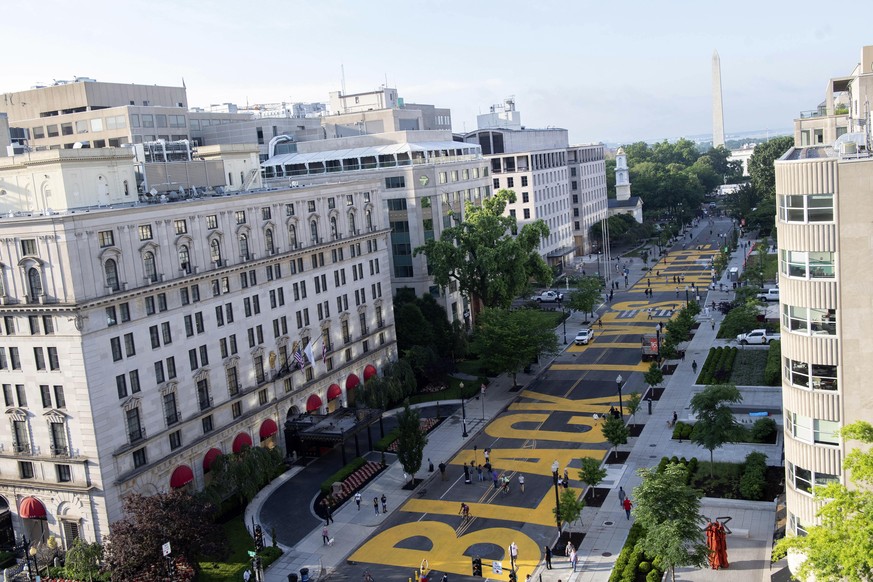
<point>215,251</point>
<point>244,247</point>
<point>292,236</point>
<point>151,271</point>
<point>268,237</point>
<point>333,232</point>
<point>313,230</point>
<point>369,218</point>
<point>110,268</point>
<point>353,227</point>
<point>34,280</point>
<point>184,259</point>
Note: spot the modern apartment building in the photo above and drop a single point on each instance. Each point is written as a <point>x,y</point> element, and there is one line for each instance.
<point>140,338</point>
<point>425,178</point>
<point>823,219</point>
<point>563,185</point>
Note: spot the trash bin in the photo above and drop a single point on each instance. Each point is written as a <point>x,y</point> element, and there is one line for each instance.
<point>292,577</point>
<point>304,574</point>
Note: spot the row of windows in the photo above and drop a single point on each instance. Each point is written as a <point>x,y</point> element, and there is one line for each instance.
<point>814,376</point>
<point>44,358</point>
<point>465,174</point>
<point>803,479</point>
<point>807,265</point>
<point>812,430</point>
<point>809,320</point>
<point>16,395</point>
<point>805,209</point>
<point>37,324</point>
<point>63,473</point>
<point>95,125</point>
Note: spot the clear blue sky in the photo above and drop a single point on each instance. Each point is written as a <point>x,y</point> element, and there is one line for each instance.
<point>607,71</point>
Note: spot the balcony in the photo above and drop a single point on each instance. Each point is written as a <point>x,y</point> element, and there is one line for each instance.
<point>205,402</point>
<point>172,418</point>
<point>21,448</point>
<point>60,451</point>
<point>136,435</point>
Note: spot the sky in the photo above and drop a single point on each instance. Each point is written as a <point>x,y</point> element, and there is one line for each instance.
<point>615,72</point>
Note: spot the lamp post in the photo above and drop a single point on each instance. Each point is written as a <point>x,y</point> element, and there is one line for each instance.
<point>463,412</point>
<point>563,317</point>
<point>555,467</point>
<point>32,552</point>
<point>618,382</point>
<point>482,394</point>
<point>686,295</point>
<point>658,339</point>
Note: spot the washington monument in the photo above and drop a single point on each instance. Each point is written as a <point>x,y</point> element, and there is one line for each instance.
<point>717,108</point>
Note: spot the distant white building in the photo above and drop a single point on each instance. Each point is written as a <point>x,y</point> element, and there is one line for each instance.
<point>624,203</point>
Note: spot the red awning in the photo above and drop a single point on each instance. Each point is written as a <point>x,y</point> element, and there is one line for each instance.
<point>268,428</point>
<point>31,508</point>
<point>209,458</point>
<point>334,392</point>
<point>369,372</point>
<point>313,403</point>
<point>242,440</point>
<point>352,382</point>
<point>181,476</point>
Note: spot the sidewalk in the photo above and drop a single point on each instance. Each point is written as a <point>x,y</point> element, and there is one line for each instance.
<point>606,527</point>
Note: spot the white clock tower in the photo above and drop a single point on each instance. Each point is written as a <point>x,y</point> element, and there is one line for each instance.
<point>622,178</point>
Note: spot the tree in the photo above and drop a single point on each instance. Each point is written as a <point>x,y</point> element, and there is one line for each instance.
<point>740,319</point>
<point>510,340</point>
<point>654,376</point>
<point>669,512</point>
<point>133,549</point>
<point>242,474</point>
<point>587,294</point>
<point>614,431</point>
<point>591,473</point>
<point>634,401</point>
<point>715,424</point>
<point>83,560</point>
<point>840,548</point>
<point>761,169</point>
<point>491,259</point>
<point>410,441</point>
<point>570,507</point>
<point>412,327</point>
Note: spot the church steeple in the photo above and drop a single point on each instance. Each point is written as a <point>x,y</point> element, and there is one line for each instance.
<point>622,178</point>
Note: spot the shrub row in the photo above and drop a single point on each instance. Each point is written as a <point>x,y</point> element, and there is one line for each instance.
<point>383,443</point>
<point>763,431</point>
<point>632,561</point>
<point>718,366</point>
<point>682,431</point>
<point>773,369</point>
<point>690,466</point>
<point>753,482</point>
<point>342,474</point>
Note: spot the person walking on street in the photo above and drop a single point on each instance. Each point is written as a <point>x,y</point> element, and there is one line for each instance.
<point>376,505</point>
<point>573,557</point>
<point>712,322</point>
<point>621,496</point>
<point>548,557</point>
<point>443,471</point>
<point>358,500</point>
<point>384,504</point>
<point>247,575</point>
<point>521,482</point>
<point>570,547</point>
<point>513,554</point>
<point>325,536</point>
<point>694,366</point>
<point>329,511</point>
<point>487,453</point>
<point>627,504</point>
<point>494,478</point>
<point>479,472</point>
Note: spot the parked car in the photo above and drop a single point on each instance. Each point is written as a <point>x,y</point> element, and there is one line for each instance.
<point>548,297</point>
<point>758,336</point>
<point>584,336</point>
<point>769,295</point>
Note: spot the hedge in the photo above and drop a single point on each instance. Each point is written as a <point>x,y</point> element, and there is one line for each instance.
<point>342,474</point>
<point>753,482</point>
<point>682,431</point>
<point>632,561</point>
<point>773,369</point>
<point>383,443</point>
<point>689,466</point>
<point>718,366</point>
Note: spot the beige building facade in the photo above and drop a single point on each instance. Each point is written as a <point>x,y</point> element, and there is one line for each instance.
<point>823,220</point>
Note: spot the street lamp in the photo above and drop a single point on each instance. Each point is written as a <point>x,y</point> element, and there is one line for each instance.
<point>658,339</point>
<point>555,467</point>
<point>32,553</point>
<point>686,295</point>
<point>563,317</point>
<point>463,412</point>
<point>618,382</point>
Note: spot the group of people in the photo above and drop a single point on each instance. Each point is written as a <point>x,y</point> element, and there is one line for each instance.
<point>376,500</point>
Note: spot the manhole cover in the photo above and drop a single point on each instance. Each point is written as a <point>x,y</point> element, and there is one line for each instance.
<point>651,445</point>
<point>608,523</point>
<point>653,456</point>
<point>606,554</point>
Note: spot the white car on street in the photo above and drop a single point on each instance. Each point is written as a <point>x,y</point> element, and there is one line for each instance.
<point>584,336</point>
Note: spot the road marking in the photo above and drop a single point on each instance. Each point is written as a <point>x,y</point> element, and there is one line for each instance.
<point>641,367</point>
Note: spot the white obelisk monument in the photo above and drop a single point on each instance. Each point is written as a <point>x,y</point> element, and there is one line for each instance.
<point>717,107</point>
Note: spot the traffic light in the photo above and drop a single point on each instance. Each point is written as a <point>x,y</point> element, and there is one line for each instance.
<point>477,566</point>
<point>259,539</point>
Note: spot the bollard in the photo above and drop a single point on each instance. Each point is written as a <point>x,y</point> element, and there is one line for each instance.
<point>649,402</point>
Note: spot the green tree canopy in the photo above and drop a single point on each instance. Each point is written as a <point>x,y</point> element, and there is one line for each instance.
<point>591,473</point>
<point>841,547</point>
<point>715,425</point>
<point>411,441</point>
<point>761,169</point>
<point>570,507</point>
<point>491,259</point>
<point>83,560</point>
<point>669,512</point>
<point>614,430</point>
<point>510,340</point>
<point>412,328</point>
<point>654,375</point>
<point>587,294</point>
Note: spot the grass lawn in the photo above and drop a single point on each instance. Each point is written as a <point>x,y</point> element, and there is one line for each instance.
<point>749,367</point>
<point>471,366</point>
<point>453,392</point>
<point>232,568</point>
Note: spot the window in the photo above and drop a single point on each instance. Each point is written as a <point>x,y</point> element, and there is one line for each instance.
<point>240,216</point>
<point>171,412</point>
<point>215,251</point>
<point>184,259</point>
<point>160,378</point>
<point>212,222</point>
<point>139,455</point>
<point>58,434</point>
<point>111,318</point>
<point>124,309</point>
<point>145,232</point>
<point>34,279</point>
<point>236,409</point>
<point>166,333</point>
<point>64,474</point>
<point>175,440</point>
<point>151,271</point>
<point>115,344</point>
<point>823,377</point>
<point>807,265</point>
<point>60,400</point>
<point>54,363</point>
<point>809,321</point>
<point>207,424</point>
<point>395,182</point>
<point>804,479</point>
<point>39,358</point>
<point>189,326</point>
<point>25,469</point>
<point>110,270</point>
<point>134,428</point>
<point>232,380</point>
<point>129,345</point>
<point>46,395</point>
<point>155,337</point>
<point>810,208</point>
<point>527,213</point>
<point>106,238</point>
<point>244,247</point>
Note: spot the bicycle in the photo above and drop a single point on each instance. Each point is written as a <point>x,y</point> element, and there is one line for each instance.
<point>505,487</point>
<point>367,576</point>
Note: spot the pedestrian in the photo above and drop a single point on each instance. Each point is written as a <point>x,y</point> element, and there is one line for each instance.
<point>570,547</point>
<point>677,292</point>
<point>548,551</point>
<point>621,496</point>
<point>513,554</point>
<point>358,500</point>
<point>325,536</point>
<point>247,575</point>
<point>445,578</point>
<point>487,453</point>
<point>627,504</point>
<point>600,323</point>
<point>573,558</point>
<point>384,504</point>
<point>465,511</point>
<point>694,366</point>
<point>494,478</point>
<point>675,419</point>
<point>479,472</point>
<point>443,471</point>
<point>329,512</point>
<point>682,355</point>
<point>712,322</point>
<point>521,482</point>
<point>467,473</point>
<point>376,505</point>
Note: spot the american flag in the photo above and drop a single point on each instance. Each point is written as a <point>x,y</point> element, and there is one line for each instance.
<point>323,352</point>
<point>299,357</point>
